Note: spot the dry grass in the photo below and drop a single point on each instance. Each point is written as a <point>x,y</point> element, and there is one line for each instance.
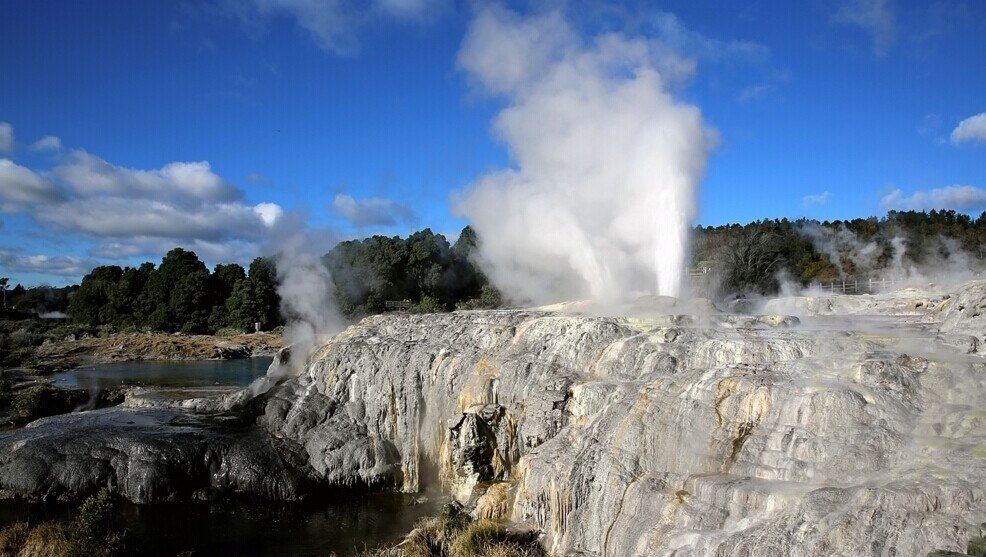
<point>48,539</point>
<point>453,533</point>
<point>12,538</point>
<point>90,534</point>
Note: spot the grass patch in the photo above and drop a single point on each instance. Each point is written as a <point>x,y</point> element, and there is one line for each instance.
<point>453,533</point>
<point>92,533</point>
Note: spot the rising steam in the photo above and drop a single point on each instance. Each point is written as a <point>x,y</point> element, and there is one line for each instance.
<point>307,299</point>
<point>607,162</point>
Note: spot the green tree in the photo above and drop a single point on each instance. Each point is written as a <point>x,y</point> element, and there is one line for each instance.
<point>90,303</point>
<point>190,305</point>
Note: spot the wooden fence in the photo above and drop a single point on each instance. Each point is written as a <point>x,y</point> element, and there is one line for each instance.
<point>855,285</point>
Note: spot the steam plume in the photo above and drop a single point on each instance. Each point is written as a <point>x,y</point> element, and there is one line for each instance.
<point>307,299</point>
<point>940,259</point>
<point>602,195</point>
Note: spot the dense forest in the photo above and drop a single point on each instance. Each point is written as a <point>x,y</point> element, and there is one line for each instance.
<point>423,272</point>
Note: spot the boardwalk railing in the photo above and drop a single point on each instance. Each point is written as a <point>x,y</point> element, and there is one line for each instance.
<point>853,285</point>
<point>848,285</point>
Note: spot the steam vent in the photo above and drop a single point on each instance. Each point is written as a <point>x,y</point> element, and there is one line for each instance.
<point>832,425</point>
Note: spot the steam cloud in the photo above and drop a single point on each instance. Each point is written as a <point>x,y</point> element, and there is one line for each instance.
<point>942,260</point>
<point>602,195</point>
<point>307,296</point>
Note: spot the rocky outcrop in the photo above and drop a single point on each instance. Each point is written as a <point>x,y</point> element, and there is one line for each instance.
<point>668,435</point>
<point>857,429</point>
<point>149,455</point>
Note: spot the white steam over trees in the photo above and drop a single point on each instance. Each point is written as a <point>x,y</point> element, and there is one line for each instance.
<point>607,161</point>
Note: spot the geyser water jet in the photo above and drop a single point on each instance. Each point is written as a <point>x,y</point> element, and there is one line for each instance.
<point>602,195</point>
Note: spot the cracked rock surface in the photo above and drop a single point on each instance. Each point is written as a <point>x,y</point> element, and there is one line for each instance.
<point>837,425</point>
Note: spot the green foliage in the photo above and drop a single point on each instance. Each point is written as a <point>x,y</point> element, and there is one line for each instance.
<point>178,295</point>
<point>90,303</point>
<point>489,298</point>
<point>27,403</point>
<point>423,269</point>
<point>428,305</point>
<point>93,530</point>
<point>38,401</point>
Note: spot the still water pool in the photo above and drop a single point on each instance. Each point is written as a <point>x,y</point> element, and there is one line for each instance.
<point>338,524</point>
<point>198,373</point>
<point>341,524</point>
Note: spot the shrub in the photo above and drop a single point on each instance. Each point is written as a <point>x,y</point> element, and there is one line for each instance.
<point>229,332</point>
<point>428,305</point>
<point>28,403</point>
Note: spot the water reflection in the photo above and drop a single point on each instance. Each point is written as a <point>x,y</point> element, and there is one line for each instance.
<point>341,524</point>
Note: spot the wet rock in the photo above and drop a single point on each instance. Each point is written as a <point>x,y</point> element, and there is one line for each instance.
<point>149,455</point>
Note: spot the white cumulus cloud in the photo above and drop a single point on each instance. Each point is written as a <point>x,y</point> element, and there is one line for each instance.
<point>372,211</point>
<point>131,211</point>
<point>816,199</point>
<point>962,198</point>
<point>970,130</point>
<point>62,265</point>
<point>21,187</point>
<point>47,143</point>
<point>177,181</point>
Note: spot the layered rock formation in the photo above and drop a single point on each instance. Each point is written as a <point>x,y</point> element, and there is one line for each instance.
<point>855,427</point>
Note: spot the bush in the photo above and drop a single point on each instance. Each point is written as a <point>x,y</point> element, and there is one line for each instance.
<point>27,403</point>
<point>40,400</point>
<point>428,305</point>
<point>90,534</point>
<point>489,298</point>
<point>229,332</point>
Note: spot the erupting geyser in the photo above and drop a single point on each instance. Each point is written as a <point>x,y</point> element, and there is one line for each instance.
<point>602,195</point>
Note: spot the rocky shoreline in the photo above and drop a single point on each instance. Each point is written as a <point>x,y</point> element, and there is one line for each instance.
<point>853,427</point>
<point>128,347</point>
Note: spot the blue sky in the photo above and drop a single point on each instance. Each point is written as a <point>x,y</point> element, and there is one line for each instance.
<point>354,117</point>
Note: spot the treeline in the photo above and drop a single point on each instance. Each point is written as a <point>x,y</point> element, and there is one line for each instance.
<point>754,256</point>
<point>180,294</point>
<point>39,300</point>
<point>422,270</point>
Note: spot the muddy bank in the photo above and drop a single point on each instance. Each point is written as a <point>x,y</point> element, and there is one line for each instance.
<point>128,347</point>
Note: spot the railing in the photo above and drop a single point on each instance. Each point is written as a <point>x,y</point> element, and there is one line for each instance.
<point>397,304</point>
<point>857,286</point>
